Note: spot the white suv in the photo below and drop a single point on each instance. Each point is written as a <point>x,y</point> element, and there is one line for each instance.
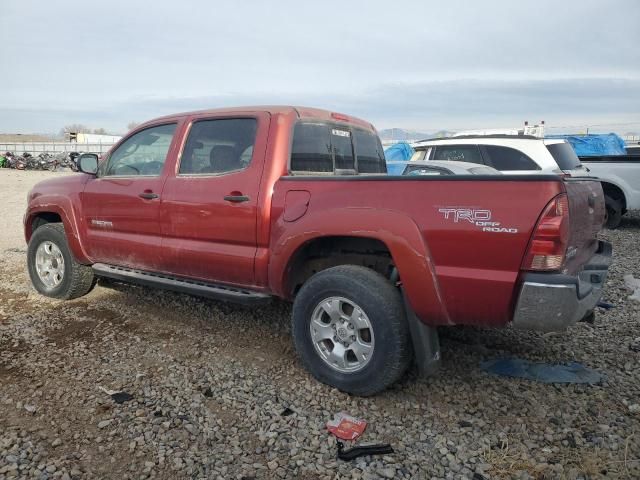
<point>515,154</point>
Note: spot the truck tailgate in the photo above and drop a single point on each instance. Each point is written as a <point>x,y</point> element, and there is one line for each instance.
<point>586,216</point>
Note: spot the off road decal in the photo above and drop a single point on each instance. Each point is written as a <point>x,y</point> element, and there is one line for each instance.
<point>479,217</point>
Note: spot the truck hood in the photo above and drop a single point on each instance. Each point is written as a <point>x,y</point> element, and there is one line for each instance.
<point>62,185</point>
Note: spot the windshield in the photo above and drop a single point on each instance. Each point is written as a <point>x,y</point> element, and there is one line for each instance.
<point>564,155</point>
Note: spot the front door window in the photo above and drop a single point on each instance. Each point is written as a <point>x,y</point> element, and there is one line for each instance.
<point>142,154</point>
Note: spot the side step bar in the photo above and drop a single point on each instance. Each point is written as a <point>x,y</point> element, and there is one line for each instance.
<point>193,287</point>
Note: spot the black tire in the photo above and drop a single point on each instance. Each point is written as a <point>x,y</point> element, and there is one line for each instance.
<point>613,212</point>
<point>77,280</point>
<point>382,304</point>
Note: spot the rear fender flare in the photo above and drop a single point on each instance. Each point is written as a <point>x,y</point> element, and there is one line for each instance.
<point>396,230</point>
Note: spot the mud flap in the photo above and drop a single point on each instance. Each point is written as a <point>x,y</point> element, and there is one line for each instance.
<point>426,343</point>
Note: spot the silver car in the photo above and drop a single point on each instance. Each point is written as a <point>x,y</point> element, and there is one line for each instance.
<point>448,167</point>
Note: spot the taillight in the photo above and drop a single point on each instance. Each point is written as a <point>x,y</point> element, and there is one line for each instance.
<point>339,116</point>
<point>548,245</point>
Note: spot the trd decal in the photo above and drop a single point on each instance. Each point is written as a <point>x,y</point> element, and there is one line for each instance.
<point>478,217</point>
<point>101,223</point>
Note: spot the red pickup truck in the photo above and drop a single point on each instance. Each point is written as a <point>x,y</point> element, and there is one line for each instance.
<point>247,204</point>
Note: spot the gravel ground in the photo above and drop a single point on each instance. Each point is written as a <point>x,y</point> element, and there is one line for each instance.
<point>210,383</point>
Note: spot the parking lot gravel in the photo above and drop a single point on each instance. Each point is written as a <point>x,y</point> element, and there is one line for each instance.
<point>215,390</point>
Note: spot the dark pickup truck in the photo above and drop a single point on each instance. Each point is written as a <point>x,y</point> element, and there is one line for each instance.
<point>252,203</point>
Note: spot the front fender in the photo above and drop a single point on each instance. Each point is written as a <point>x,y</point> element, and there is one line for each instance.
<point>63,207</point>
<point>396,230</point>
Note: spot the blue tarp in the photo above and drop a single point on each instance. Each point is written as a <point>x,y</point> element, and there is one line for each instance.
<point>397,156</point>
<point>595,144</point>
<point>542,372</point>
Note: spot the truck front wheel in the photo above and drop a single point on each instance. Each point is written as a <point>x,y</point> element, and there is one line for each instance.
<point>350,330</point>
<point>53,270</point>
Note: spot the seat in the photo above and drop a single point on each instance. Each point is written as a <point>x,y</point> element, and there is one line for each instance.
<point>223,158</point>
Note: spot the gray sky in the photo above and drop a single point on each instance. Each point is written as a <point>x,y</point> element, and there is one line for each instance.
<point>422,65</point>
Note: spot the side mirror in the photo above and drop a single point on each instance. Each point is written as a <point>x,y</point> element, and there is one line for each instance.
<point>87,163</point>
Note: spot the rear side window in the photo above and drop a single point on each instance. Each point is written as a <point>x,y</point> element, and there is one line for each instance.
<point>564,155</point>
<point>506,158</point>
<point>459,153</point>
<point>218,146</point>
<point>325,148</point>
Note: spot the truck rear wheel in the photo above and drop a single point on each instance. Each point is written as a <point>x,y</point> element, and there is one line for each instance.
<point>613,214</point>
<point>350,330</point>
<point>53,270</point>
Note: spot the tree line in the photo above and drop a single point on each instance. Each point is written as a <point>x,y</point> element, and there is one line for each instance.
<point>81,128</point>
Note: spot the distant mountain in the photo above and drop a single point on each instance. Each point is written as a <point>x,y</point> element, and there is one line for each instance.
<point>400,134</point>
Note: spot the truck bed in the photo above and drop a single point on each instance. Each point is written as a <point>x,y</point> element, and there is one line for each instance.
<point>469,235</point>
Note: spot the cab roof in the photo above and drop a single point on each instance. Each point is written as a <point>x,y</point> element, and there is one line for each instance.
<point>301,112</point>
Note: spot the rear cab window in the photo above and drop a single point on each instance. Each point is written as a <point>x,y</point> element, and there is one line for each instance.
<point>326,148</point>
<point>564,155</point>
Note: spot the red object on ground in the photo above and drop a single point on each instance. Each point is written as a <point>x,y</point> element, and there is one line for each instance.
<point>346,427</point>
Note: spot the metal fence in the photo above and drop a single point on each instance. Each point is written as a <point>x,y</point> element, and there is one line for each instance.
<point>53,147</point>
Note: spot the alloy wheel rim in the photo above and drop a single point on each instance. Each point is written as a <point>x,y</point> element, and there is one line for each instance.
<point>49,264</point>
<point>342,334</point>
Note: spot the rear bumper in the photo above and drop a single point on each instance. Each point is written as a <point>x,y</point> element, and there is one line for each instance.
<point>550,302</point>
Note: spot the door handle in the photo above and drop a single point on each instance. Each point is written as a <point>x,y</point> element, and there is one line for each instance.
<point>148,195</point>
<point>236,198</point>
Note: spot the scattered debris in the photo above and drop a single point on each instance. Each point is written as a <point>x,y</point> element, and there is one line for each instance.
<point>542,372</point>
<point>107,391</point>
<point>634,285</point>
<point>30,408</point>
<point>605,305</point>
<point>118,396</point>
<point>635,345</point>
<point>346,427</point>
<point>362,450</point>
<point>286,412</point>
<point>208,393</point>
<point>121,397</point>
